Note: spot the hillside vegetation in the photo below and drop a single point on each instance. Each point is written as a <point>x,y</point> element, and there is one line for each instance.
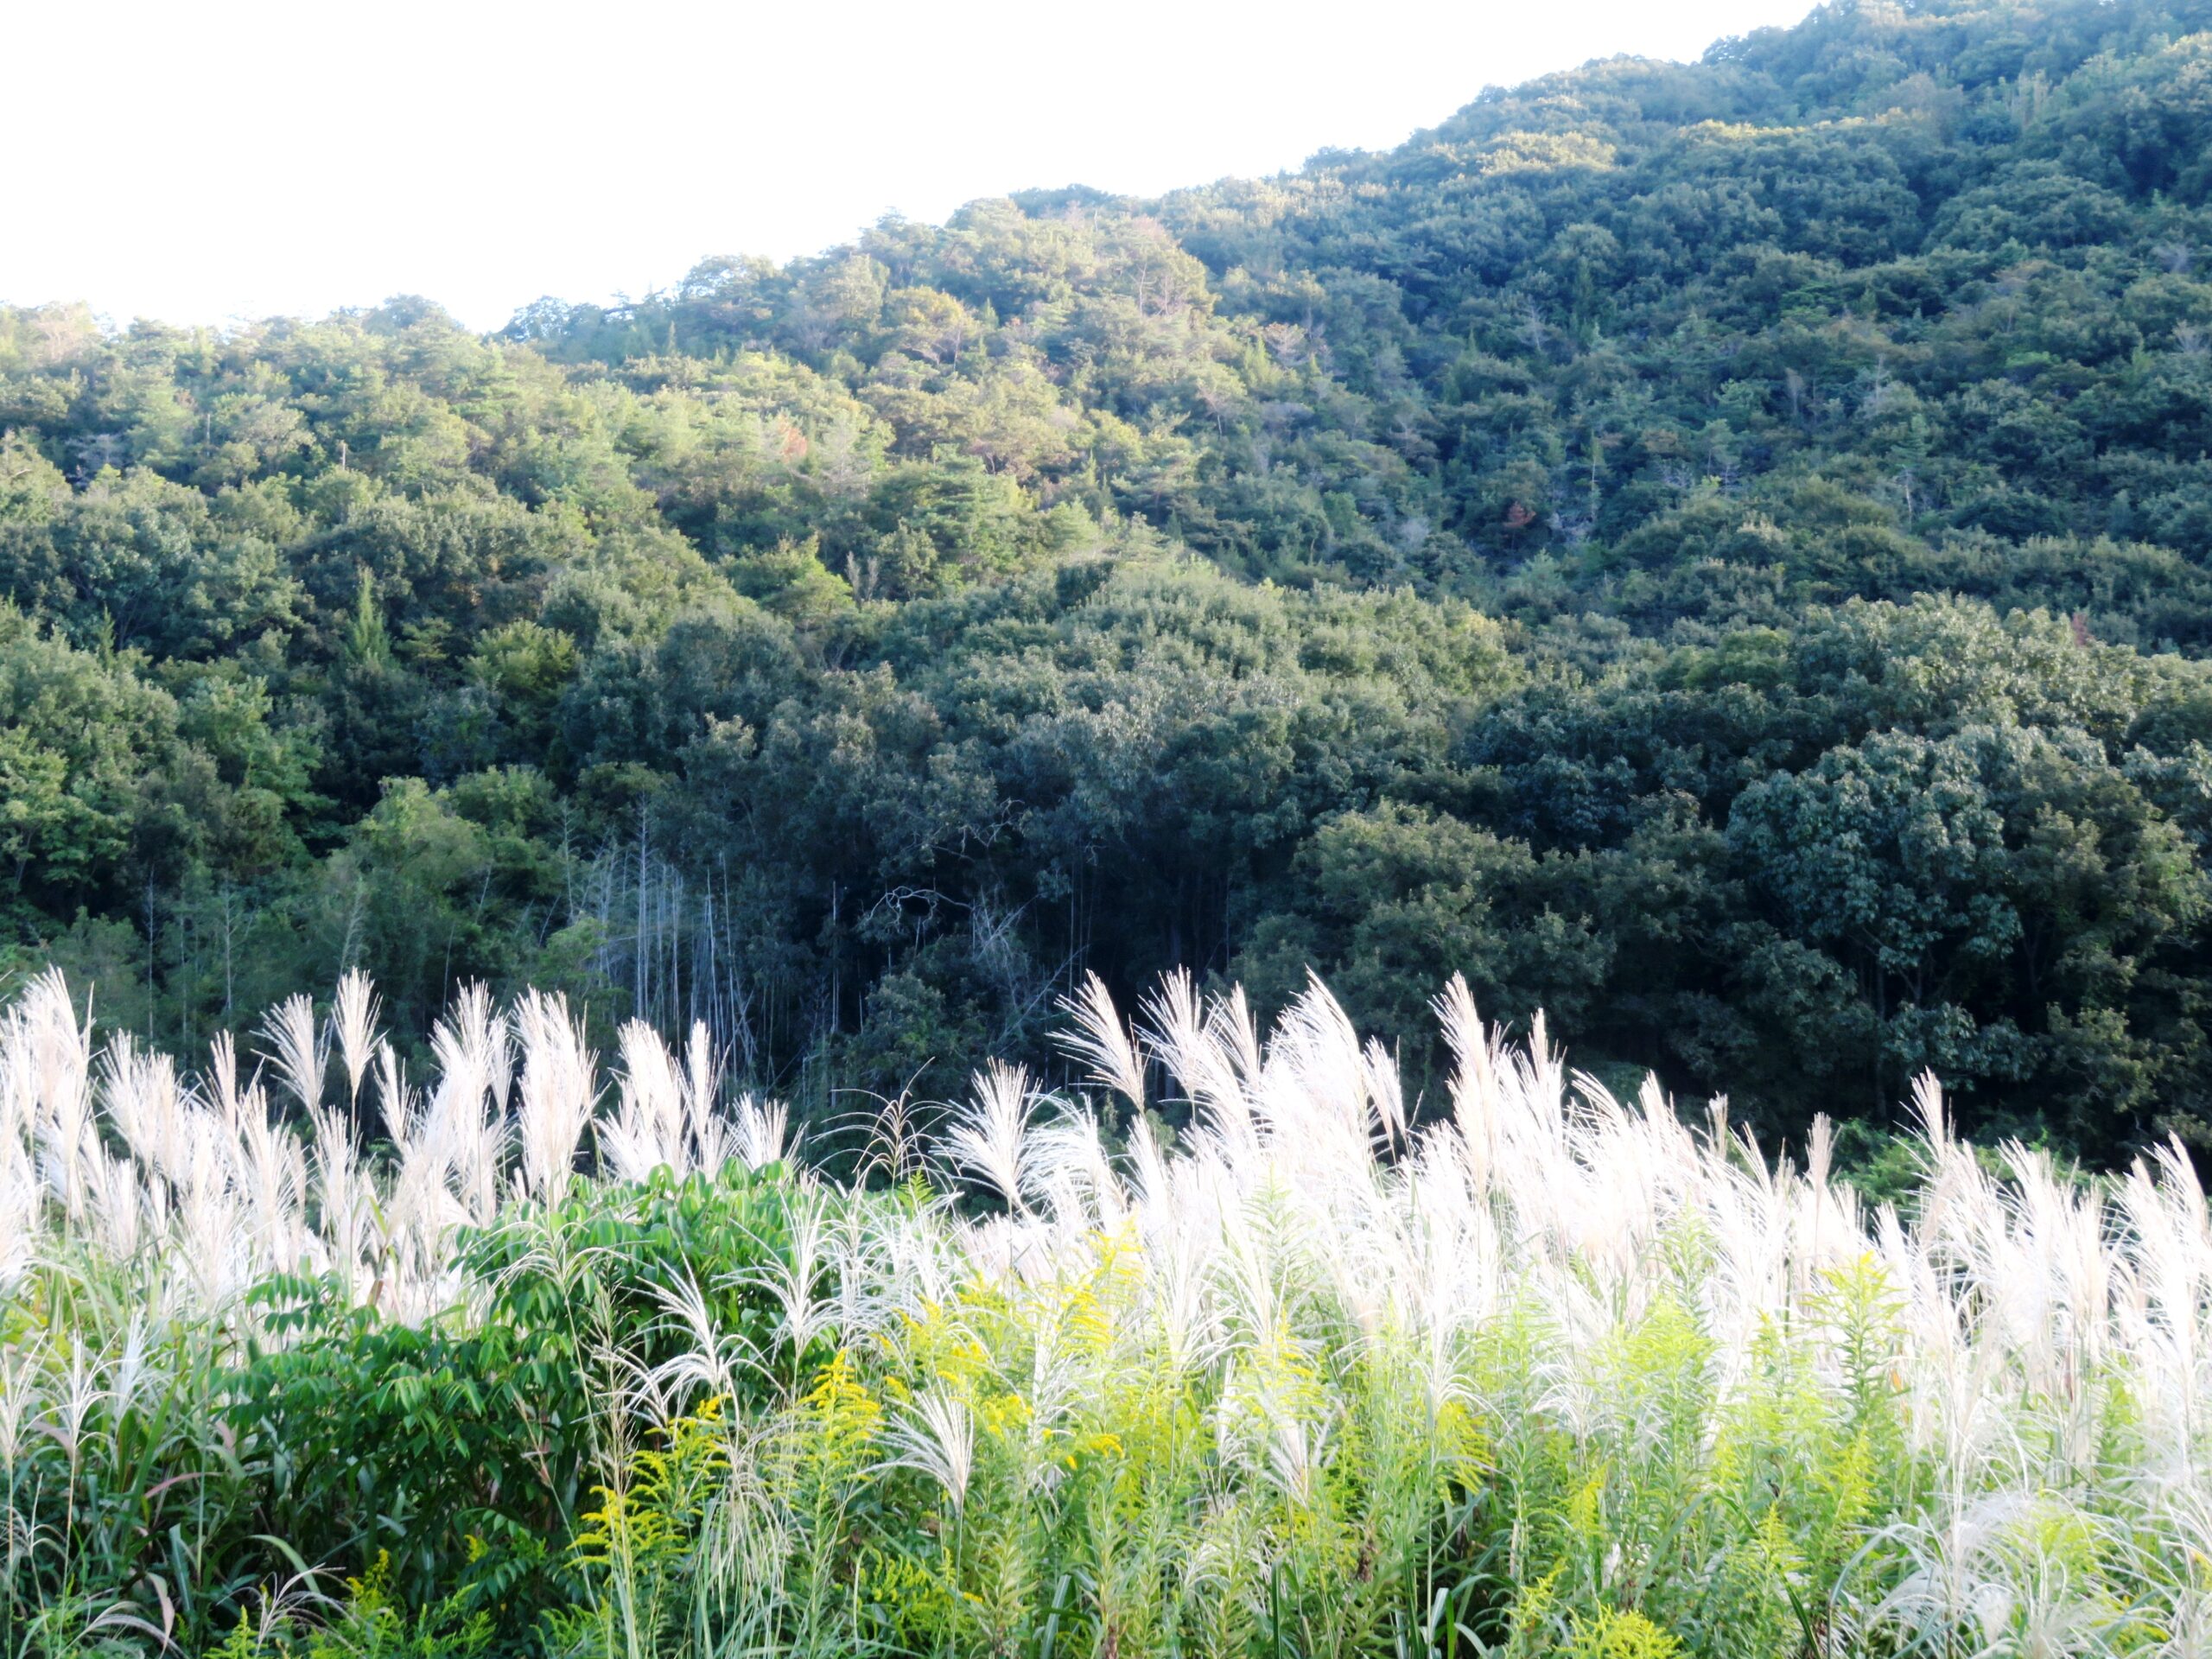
<point>1717,551</point>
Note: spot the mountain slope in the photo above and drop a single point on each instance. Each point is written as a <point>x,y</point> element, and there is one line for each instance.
<point>1717,551</point>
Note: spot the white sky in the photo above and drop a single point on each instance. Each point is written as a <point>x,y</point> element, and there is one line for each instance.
<point>201,160</point>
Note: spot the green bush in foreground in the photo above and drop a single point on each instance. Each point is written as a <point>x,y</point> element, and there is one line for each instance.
<point>1547,1374</point>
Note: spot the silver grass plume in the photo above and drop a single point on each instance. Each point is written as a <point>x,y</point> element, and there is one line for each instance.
<point>353,1022</point>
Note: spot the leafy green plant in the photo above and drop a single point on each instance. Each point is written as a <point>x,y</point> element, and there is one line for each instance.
<point>457,1448</point>
<point>603,1265</point>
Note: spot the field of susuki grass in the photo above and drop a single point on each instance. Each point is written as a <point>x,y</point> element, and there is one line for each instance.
<point>304,1354</point>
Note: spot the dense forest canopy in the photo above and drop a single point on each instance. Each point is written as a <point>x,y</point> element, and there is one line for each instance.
<point>1721,553</point>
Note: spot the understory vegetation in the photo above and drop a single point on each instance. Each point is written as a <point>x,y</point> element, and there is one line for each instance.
<point>518,1357</point>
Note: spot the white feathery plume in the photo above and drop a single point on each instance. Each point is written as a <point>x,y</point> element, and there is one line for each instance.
<point>702,1082</point>
<point>1150,1182</point>
<point>1176,1291</point>
<point>218,1084</point>
<point>855,1254</point>
<point>476,1033</point>
<point>1386,1093</point>
<point>20,1213</point>
<point>394,1098</point>
<point>987,1135</point>
<point>1316,1070</point>
<point>936,1437</point>
<point>711,1360</point>
<point>52,1069</point>
<point>793,1281</point>
<point>467,1138</point>
<point>647,1132</point>
<point>353,1022</point>
<point>117,1206</point>
<point>1177,1030</point>
<point>1297,1451</point>
<point>759,1133</point>
<point>1236,1033</point>
<point>1100,1040</point>
<point>896,1144</point>
<point>129,1096</point>
<point>1064,1165</point>
<point>296,1049</point>
<point>558,1089</point>
<point>343,1196</point>
<point>272,1183</point>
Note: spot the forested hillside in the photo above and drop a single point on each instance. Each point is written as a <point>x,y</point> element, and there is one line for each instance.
<point>1721,553</point>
